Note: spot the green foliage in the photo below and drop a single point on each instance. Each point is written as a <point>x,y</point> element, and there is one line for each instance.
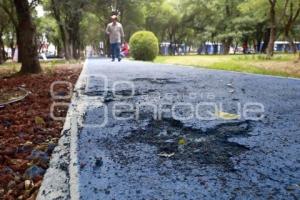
<point>48,26</point>
<point>132,16</point>
<point>231,22</point>
<point>91,34</point>
<point>144,46</point>
<point>79,23</point>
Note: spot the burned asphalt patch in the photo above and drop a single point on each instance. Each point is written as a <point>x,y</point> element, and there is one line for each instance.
<point>183,145</point>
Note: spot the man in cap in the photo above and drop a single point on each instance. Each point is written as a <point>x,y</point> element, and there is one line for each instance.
<point>116,35</point>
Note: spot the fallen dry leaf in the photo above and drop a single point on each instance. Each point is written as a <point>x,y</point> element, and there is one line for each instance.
<point>25,126</point>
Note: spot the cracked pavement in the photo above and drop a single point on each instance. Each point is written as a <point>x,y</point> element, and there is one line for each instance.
<point>141,157</point>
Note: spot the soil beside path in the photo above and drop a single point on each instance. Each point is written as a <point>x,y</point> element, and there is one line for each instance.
<point>28,134</point>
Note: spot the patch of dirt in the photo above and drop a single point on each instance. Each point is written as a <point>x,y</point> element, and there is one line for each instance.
<point>28,135</point>
<point>289,67</point>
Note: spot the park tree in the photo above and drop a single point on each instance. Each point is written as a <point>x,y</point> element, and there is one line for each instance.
<point>213,20</point>
<point>2,51</point>
<point>3,26</point>
<point>19,14</point>
<point>254,21</point>
<point>199,18</point>
<point>163,19</point>
<point>8,7</point>
<point>290,14</point>
<point>267,14</point>
<point>226,32</point>
<point>48,28</point>
<point>99,12</point>
<point>56,9</point>
<point>295,33</point>
<point>173,21</point>
<point>27,37</point>
<point>154,20</point>
<point>132,16</point>
<point>289,11</point>
<point>68,15</point>
<point>273,26</point>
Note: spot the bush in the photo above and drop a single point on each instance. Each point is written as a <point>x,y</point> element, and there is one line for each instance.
<point>144,46</point>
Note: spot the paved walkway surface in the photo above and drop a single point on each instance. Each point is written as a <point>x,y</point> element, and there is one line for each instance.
<point>113,147</point>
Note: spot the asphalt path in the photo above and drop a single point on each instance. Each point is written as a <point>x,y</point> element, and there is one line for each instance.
<point>153,131</point>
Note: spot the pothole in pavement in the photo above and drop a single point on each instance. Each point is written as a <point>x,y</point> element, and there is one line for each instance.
<point>178,143</point>
<point>110,96</point>
<point>161,81</point>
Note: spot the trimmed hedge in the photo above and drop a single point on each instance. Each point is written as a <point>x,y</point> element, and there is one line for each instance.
<point>144,46</point>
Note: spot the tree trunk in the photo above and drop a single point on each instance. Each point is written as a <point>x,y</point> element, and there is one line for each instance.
<point>245,46</point>
<point>74,34</point>
<point>236,48</point>
<point>270,50</point>
<point>288,25</point>
<point>59,51</point>
<point>266,41</point>
<point>292,45</point>
<point>12,46</point>
<point>27,38</point>
<point>227,44</point>
<point>65,39</point>
<point>2,51</point>
<point>73,24</point>
<point>18,32</point>
<point>259,35</point>
<point>255,45</point>
<point>56,6</point>
<point>67,46</point>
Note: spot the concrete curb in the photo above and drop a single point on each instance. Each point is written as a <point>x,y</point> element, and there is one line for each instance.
<point>61,179</point>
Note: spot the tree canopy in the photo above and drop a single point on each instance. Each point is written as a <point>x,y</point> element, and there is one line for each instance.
<point>73,24</point>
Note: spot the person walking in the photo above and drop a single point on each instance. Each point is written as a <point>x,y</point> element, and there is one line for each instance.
<point>116,35</point>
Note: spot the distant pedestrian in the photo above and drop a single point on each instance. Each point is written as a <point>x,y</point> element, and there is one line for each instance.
<point>116,35</point>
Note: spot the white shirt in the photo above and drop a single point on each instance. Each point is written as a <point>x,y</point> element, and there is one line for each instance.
<point>115,32</point>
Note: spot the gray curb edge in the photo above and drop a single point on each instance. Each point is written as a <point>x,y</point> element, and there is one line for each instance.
<point>61,179</point>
